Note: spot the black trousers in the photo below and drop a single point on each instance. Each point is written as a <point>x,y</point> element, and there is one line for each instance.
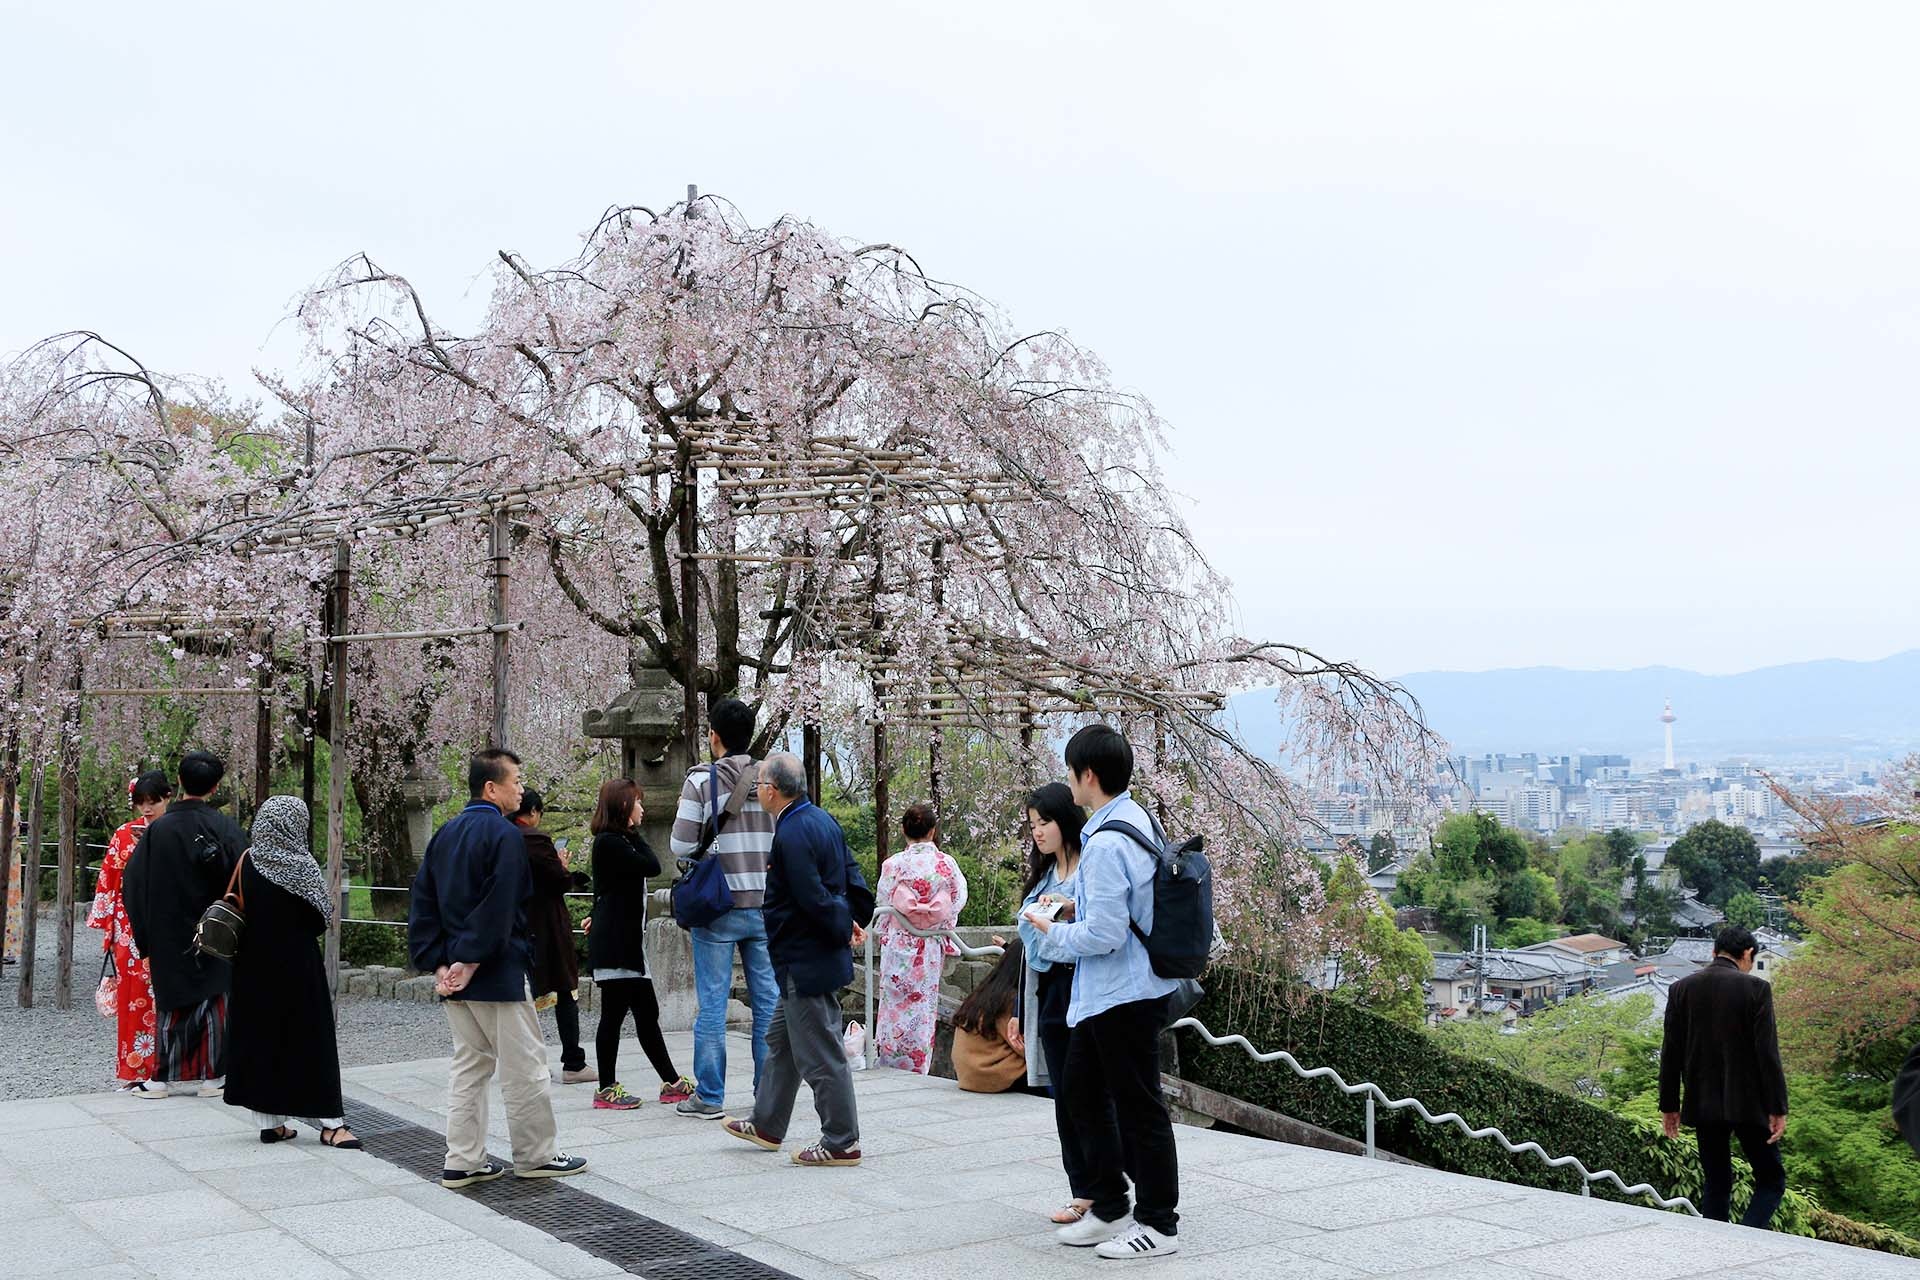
<point>1716,1167</point>
<point>1056,993</point>
<point>619,997</point>
<point>1113,1099</point>
<point>566,1016</point>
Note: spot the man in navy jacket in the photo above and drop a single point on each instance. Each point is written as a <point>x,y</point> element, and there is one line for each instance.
<point>468,927</point>
<point>810,936</point>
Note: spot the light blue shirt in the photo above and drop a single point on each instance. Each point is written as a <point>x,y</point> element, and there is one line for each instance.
<point>1042,953</point>
<point>1115,889</point>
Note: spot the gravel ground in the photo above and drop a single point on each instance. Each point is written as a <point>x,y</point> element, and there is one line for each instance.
<point>46,1052</point>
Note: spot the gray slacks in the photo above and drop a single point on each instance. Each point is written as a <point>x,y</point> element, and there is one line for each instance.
<point>803,1043</point>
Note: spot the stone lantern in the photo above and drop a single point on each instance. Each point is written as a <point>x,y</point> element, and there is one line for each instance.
<point>649,721</point>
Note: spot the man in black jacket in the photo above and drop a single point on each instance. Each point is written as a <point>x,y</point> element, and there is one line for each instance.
<point>180,867</point>
<point>467,925</point>
<point>1720,1043</point>
<point>811,929</point>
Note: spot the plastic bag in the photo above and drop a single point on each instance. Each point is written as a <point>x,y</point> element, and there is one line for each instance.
<point>854,1043</point>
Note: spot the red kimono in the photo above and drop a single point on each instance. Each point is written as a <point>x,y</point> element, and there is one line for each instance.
<point>133,1057</point>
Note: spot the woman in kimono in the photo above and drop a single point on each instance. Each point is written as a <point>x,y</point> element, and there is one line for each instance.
<point>133,990</point>
<point>924,886</point>
<point>1053,873</point>
<point>281,1056</point>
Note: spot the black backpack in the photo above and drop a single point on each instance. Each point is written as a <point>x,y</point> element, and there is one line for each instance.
<point>1182,937</point>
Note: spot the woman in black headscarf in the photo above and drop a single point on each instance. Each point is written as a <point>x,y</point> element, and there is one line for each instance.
<point>281,1058</point>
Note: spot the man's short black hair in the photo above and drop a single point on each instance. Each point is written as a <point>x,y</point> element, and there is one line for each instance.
<point>200,773</point>
<point>732,719</point>
<point>531,802</point>
<point>488,766</point>
<point>1101,748</point>
<point>1735,940</point>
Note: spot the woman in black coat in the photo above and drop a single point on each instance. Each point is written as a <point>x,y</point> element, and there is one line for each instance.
<point>617,947</point>
<point>556,965</point>
<point>281,1058</point>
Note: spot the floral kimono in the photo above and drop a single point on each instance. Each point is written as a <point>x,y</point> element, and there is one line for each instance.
<point>928,883</point>
<point>133,1057</point>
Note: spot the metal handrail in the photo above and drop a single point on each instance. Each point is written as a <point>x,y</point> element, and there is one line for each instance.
<point>873,928</point>
<point>1374,1091</point>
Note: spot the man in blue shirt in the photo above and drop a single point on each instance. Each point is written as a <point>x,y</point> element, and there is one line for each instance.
<point>810,936</point>
<point>1118,1009</point>
<point>467,925</point>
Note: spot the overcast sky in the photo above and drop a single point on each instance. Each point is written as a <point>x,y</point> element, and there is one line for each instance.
<point>1490,335</point>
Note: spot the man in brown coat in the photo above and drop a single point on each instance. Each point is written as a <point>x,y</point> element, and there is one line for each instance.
<point>1721,1045</point>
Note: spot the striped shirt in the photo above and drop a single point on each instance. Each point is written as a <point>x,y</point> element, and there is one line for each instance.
<point>743,845</point>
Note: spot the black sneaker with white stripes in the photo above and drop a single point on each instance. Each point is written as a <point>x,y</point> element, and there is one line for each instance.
<point>454,1179</point>
<point>561,1166</point>
<point>1139,1242</point>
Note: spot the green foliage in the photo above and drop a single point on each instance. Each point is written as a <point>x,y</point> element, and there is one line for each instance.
<point>1470,844</point>
<point>1321,1031</point>
<point>1531,893</point>
<point>369,944</point>
<point>1792,878</point>
<point>1524,932</point>
<point>1746,909</point>
<point>1622,848</point>
<point>1841,1145</point>
<point>1606,1051</point>
<point>1379,966</point>
<point>1716,860</point>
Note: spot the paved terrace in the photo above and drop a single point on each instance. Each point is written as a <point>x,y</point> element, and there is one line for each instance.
<point>114,1188</point>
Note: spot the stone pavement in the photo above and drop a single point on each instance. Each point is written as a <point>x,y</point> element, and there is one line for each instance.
<point>114,1188</point>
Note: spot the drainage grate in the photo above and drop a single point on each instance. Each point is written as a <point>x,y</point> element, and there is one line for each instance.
<point>637,1244</point>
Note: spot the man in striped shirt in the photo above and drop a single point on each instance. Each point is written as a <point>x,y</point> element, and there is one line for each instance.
<point>742,843</point>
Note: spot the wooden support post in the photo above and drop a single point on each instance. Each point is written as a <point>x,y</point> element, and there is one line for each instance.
<point>690,597</point>
<point>30,880</point>
<point>69,766</point>
<point>337,754</point>
<point>810,749</point>
<point>882,824</point>
<point>9,802</point>
<point>501,549</point>
<point>310,697</point>
<point>1026,745</point>
<point>936,738</point>
<point>263,724</point>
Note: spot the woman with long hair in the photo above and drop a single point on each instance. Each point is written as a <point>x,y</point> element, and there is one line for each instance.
<point>925,888</point>
<point>132,988</point>
<point>985,1058</point>
<point>1054,822</point>
<point>617,946</point>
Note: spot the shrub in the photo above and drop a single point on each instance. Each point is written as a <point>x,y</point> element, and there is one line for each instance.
<point>362,945</point>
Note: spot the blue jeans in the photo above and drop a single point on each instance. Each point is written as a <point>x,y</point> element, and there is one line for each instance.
<point>713,946</point>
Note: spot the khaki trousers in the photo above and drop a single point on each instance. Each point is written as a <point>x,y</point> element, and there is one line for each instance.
<point>496,1037</point>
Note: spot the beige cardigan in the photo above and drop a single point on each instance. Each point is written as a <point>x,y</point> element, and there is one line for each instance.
<point>986,1064</point>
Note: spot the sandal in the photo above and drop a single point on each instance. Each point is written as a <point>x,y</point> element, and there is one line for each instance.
<point>1069,1214</point>
<point>331,1138</point>
<point>285,1133</point>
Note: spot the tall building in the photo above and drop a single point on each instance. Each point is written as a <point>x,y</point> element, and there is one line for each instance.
<point>1666,719</point>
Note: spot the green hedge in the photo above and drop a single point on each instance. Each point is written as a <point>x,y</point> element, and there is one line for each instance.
<point>1325,1032</point>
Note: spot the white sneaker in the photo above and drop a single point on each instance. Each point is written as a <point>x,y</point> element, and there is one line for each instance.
<point>1091,1230</point>
<point>1139,1242</point>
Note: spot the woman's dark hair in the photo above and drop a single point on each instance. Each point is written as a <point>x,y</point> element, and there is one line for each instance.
<point>1054,803</point>
<point>614,812</point>
<point>1101,748</point>
<point>531,802</point>
<point>919,821</point>
<point>993,999</point>
<point>732,719</point>
<point>150,786</point>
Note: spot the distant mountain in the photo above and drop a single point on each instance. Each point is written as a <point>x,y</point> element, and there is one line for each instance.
<point>1804,707</point>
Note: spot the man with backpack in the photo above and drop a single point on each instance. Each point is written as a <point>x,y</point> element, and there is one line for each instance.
<point>1118,1009</point>
<point>720,817</point>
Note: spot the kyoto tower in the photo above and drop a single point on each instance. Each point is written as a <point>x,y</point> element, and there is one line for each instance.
<point>1666,719</point>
